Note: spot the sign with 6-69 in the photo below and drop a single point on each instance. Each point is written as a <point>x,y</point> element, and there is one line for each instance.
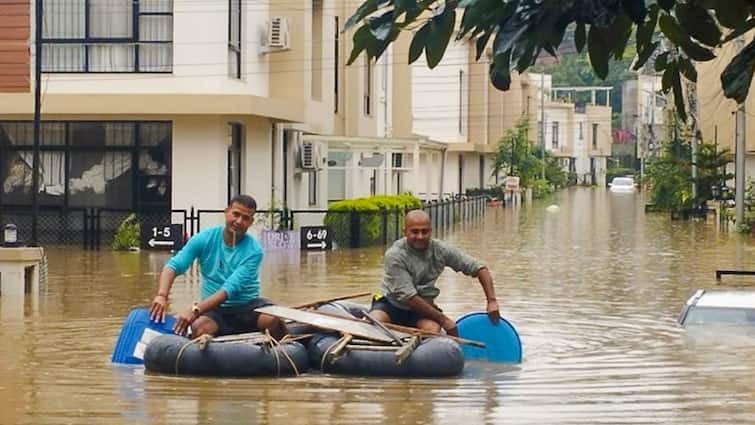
<point>316,238</point>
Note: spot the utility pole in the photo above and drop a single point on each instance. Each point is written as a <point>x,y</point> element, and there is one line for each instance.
<point>739,160</point>
<point>542,121</point>
<point>37,106</point>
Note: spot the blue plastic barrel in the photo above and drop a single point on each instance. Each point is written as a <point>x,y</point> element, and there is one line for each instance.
<point>502,343</point>
<point>136,333</point>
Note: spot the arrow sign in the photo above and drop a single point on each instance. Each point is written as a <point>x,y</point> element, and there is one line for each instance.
<point>153,243</point>
<point>316,238</point>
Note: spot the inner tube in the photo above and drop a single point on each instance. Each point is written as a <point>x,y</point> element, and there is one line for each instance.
<point>433,357</point>
<point>177,355</point>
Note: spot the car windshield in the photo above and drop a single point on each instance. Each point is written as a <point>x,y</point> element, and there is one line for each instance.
<point>623,181</point>
<point>702,315</point>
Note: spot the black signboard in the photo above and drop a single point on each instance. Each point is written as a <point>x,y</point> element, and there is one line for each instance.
<point>316,238</point>
<point>163,236</point>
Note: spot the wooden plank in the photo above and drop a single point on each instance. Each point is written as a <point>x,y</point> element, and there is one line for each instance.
<point>330,300</point>
<point>354,327</point>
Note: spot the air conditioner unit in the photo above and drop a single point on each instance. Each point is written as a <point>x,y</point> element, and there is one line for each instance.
<point>277,35</point>
<point>308,156</point>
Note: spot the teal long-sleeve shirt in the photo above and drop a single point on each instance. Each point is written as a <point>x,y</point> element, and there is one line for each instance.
<point>232,269</point>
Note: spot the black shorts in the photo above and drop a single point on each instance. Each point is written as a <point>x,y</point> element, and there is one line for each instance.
<point>398,316</point>
<point>238,319</point>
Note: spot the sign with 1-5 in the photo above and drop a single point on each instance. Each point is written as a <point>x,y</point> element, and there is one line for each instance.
<point>316,238</point>
<point>162,236</point>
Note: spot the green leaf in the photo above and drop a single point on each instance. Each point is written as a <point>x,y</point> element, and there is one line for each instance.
<point>661,61</point>
<point>365,9</point>
<point>731,13</point>
<point>697,52</point>
<point>362,37</point>
<point>381,26</point>
<point>746,27</point>
<point>687,69</point>
<point>644,55</point>
<point>666,4</point>
<point>418,43</point>
<point>635,9</point>
<point>668,76</point>
<point>481,43</point>
<point>737,76</point>
<point>580,37</point>
<point>500,71</point>
<point>699,23</point>
<point>598,51</point>
<point>676,83</point>
<point>441,28</point>
<point>672,30</point>
<point>646,29</point>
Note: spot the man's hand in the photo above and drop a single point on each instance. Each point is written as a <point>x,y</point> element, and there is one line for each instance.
<point>450,327</point>
<point>493,313</point>
<point>158,308</point>
<point>183,321</point>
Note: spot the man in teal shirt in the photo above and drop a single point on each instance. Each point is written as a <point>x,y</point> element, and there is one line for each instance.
<point>229,261</point>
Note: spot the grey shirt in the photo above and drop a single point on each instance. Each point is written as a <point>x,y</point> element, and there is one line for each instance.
<point>408,272</point>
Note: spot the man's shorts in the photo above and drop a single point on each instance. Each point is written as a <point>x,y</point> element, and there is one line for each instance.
<point>237,319</point>
<point>398,316</point>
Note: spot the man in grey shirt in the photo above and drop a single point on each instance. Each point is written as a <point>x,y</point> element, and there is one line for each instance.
<point>410,269</point>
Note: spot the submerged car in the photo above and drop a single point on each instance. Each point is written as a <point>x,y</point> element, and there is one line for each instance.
<point>622,184</point>
<point>719,306</point>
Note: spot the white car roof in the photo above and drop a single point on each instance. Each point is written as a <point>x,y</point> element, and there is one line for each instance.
<point>727,298</point>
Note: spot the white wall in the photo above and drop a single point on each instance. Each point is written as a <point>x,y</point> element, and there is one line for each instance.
<point>582,162</point>
<point>200,57</point>
<point>560,115</point>
<point>435,96</point>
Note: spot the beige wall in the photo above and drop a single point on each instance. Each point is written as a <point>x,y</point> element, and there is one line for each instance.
<point>716,111</point>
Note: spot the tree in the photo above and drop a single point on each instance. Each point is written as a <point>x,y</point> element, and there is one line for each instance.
<point>516,156</point>
<point>521,29</point>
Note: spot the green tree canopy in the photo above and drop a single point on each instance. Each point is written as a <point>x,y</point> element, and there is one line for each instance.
<point>519,30</point>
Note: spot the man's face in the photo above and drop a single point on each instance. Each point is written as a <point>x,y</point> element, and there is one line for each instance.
<point>238,218</point>
<point>417,231</point>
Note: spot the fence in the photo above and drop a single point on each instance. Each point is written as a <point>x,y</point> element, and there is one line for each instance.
<point>93,228</point>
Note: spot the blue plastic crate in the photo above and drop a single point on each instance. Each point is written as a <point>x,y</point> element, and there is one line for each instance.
<point>136,333</point>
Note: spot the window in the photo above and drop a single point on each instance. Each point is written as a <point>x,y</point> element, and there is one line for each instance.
<point>317,63</point>
<point>461,102</point>
<point>312,189</point>
<point>107,36</point>
<point>595,135</point>
<point>482,171</point>
<point>554,130</point>
<point>88,164</point>
<point>335,67</point>
<point>461,174</point>
<point>581,132</point>
<point>367,86</point>
<point>234,38</point>
<point>234,160</point>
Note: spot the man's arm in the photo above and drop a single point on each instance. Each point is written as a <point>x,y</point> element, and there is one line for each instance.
<point>424,308</point>
<point>486,281</point>
<point>184,320</point>
<point>174,267</point>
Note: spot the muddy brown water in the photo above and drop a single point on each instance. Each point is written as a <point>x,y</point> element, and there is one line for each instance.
<point>593,289</point>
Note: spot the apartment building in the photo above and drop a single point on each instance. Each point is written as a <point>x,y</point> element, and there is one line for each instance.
<point>579,134</point>
<point>718,113</point>
<point>157,105</point>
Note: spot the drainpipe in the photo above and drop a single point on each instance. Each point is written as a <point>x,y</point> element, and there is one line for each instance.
<point>442,172</point>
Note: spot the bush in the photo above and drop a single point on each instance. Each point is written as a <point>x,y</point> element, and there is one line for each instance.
<point>541,188</point>
<point>368,211</point>
<point>127,234</point>
<point>492,192</point>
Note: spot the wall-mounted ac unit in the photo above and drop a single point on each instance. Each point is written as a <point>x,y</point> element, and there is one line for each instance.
<point>276,37</point>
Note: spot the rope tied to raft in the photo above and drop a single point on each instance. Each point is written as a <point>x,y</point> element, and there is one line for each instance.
<point>274,345</point>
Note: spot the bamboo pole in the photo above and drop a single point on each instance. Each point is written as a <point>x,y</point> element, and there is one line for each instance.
<point>329,300</point>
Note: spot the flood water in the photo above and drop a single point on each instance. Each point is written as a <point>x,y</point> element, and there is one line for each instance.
<point>593,289</point>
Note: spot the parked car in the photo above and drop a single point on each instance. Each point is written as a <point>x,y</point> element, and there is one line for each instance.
<point>719,306</point>
<point>622,184</point>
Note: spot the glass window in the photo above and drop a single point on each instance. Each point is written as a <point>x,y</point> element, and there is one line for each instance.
<point>101,36</point>
<point>234,38</point>
<point>100,179</point>
<point>99,134</point>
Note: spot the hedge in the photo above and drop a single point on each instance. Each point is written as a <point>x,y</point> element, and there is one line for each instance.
<point>369,212</point>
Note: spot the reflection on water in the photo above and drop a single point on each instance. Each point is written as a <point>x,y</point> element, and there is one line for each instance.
<point>593,288</point>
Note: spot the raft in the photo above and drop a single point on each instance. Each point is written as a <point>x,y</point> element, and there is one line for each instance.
<point>433,357</point>
<point>177,355</point>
